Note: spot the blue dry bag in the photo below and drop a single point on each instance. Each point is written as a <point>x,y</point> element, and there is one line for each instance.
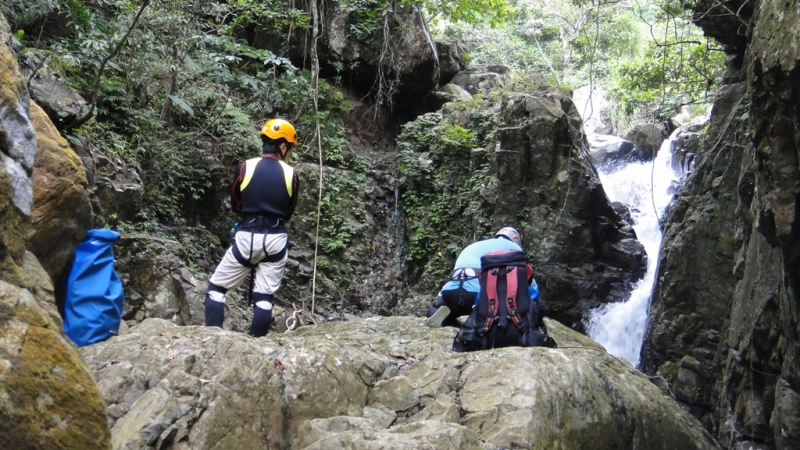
<point>93,298</point>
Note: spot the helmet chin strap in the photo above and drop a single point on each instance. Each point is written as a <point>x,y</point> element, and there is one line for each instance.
<point>286,155</point>
<point>285,152</point>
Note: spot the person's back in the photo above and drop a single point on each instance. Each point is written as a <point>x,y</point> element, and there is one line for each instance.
<point>458,294</point>
<point>470,257</point>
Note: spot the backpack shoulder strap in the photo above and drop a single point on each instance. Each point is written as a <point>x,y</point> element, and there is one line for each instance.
<point>491,296</point>
<point>511,297</point>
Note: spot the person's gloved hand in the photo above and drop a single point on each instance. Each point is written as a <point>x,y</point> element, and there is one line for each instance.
<point>533,291</point>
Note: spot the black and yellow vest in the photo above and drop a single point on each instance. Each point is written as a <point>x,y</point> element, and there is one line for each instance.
<point>266,187</point>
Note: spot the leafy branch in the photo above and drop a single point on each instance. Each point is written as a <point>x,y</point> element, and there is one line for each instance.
<point>78,121</point>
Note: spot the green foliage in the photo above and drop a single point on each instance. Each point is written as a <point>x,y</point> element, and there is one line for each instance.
<point>184,99</point>
<point>341,219</point>
<point>267,13</point>
<point>649,55</point>
<point>366,17</point>
<point>569,42</point>
<point>669,75</point>
<point>182,103</point>
<point>440,181</point>
<point>338,214</point>
<point>487,12</point>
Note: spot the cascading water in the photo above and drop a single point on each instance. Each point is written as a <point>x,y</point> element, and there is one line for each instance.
<point>647,189</point>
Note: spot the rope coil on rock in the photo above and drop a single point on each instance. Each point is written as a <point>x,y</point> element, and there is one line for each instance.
<point>296,319</point>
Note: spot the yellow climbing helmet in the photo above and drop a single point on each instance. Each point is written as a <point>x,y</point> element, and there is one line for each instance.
<point>279,128</point>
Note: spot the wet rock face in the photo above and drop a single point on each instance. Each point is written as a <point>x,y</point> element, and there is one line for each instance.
<point>375,383</point>
<point>767,321</point>
<point>723,21</point>
<point>694,288</point>
<point>585,253</point>
<point>739,210</point>
<point>395,57</point>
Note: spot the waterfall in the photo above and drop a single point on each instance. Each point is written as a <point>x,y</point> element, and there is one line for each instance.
<point>647,188</point>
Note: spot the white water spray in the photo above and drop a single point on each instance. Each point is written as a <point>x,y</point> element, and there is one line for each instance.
<point>647,189</point>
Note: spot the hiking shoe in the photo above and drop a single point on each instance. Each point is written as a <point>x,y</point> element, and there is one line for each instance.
<point>435,321</point>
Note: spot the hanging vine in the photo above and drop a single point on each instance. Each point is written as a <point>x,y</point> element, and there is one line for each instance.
<point>315,17</point>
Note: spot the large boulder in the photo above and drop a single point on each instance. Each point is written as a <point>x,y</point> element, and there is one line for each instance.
<point>48,398</point>
<point>392,56</point>
<point>515,159</point>
<point>62,212</point>
<point>375,383</point>
<point>647,139</point>
<point>585,254</point>
<point>62,103</point>
<point>452,58</point>
<point>446,94</point>
<point>482,79</point>
<point>608,150</point>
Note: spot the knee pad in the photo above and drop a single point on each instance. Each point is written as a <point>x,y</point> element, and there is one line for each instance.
<point>216,293</point>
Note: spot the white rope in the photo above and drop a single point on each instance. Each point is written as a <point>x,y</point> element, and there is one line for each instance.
<point>293,319</point>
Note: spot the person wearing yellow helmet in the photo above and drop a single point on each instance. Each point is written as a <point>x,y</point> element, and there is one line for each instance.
<point>282,134</point>
<point>459,293</point>
<point>265,191</point>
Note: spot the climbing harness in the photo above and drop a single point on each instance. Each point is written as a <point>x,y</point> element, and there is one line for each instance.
<point>259,225</point>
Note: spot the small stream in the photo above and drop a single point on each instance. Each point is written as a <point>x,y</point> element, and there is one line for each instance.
<point>647,188</point>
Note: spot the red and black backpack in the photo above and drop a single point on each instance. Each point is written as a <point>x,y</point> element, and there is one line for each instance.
<point>504,315</point>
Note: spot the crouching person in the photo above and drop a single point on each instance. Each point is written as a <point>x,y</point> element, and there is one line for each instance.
<point>265,193</point>
<point>459,294</point>
<point>508,311</point>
